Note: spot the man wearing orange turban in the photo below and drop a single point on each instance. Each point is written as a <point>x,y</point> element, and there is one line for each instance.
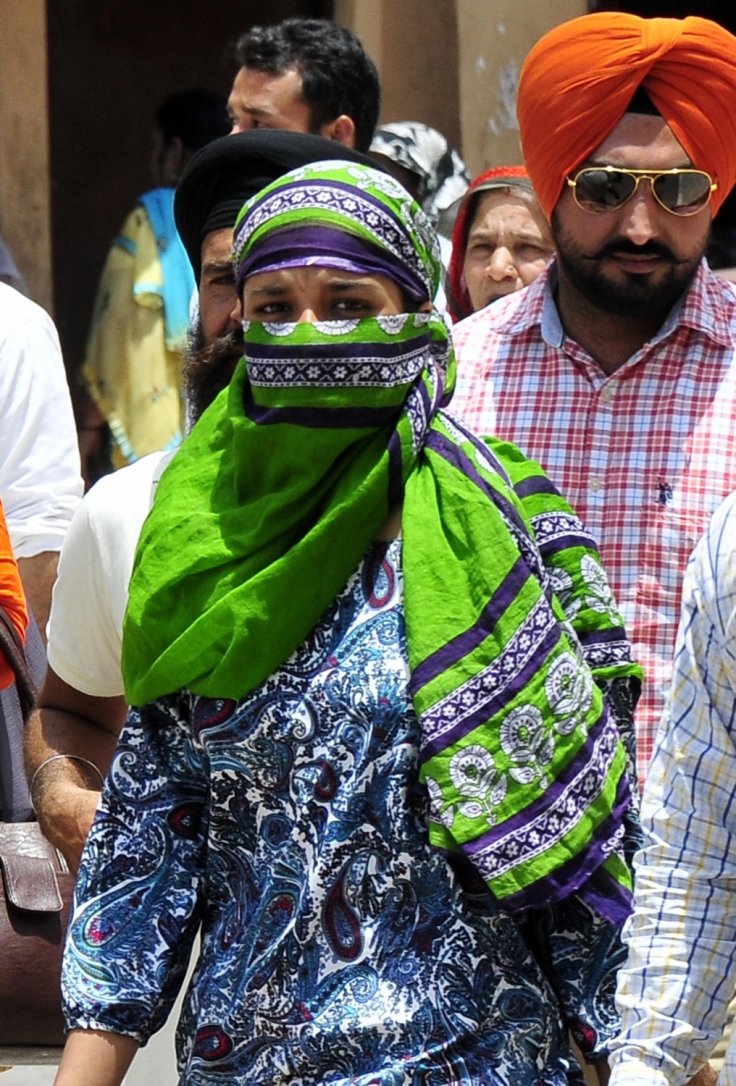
<point>617,370</point>
<point>578,81</point>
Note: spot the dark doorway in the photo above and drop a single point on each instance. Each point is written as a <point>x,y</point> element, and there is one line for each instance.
<point>110,64</point>
<point>721,11</point>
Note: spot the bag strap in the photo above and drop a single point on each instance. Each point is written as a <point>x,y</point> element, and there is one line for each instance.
<point>12,647</point>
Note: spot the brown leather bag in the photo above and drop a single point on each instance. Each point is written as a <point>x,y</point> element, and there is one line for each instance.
<point>34,913</point>
<point>35,900</point>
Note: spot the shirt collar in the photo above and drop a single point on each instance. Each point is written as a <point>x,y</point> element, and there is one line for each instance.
<point>708,307</point>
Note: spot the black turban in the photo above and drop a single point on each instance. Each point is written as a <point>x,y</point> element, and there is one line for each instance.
<point>227,172</point>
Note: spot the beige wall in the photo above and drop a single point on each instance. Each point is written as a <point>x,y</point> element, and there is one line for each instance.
<point>414,45</point>
<point>24,143</point>
<point>417,46</point>
<point>494,39</point>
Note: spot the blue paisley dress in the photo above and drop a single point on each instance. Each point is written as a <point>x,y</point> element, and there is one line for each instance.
<point>289,830</point>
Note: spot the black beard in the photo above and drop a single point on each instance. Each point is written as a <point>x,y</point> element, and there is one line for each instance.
<point>208,368</point>
<point>636,296</point>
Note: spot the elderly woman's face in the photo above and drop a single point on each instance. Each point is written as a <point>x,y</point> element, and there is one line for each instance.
<point>508,246</point>
<point>318,294</point>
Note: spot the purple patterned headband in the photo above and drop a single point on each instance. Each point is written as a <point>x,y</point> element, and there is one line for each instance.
<point>325,247</point>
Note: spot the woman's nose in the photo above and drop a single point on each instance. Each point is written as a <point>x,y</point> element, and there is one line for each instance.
<point>501,264</point>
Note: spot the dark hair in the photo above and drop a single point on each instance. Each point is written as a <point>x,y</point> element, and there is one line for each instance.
<point>337,74</point>
<point>642,103</point>
<point>196,117</point>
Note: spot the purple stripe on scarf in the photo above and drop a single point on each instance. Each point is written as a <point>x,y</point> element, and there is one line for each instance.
<point>377,218</point>
<point>537,484</point>
<point>583,875</point>
<point>395,471</point>
<point>429,406</point>
<point>602,637</point>
<point>472,438</point>
<point>466,722</point>
<point>353,418</point>
<point>327,247</point>
<point>464,643</point>
<point>607,896</point>
<point>340,351</point>
<point>557,543</point>
<point>459,459</point>
<point>396,479</point>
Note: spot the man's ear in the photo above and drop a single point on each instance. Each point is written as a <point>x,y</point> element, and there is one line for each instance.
<point>176,157</point>
<point>341,130</point>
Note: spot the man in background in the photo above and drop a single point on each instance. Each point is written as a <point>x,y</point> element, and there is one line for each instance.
<point>131,403</point>
<point>306,75</point>
<point>40,483</point>
<point>616,369</point>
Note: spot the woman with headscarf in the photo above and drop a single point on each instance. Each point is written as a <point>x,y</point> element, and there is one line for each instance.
<point>501,241</point>
<point>370,764</point>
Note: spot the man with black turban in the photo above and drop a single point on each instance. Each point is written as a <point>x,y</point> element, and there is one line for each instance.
<point>617,368</point>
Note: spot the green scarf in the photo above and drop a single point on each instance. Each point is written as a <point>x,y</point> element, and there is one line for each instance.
<point>267,510</point>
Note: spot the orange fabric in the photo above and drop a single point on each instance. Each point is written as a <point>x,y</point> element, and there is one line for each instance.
<point>578,80</point>
<point>11,595</point>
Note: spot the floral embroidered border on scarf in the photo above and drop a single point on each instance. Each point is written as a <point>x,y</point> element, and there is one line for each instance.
<point>268,508</point>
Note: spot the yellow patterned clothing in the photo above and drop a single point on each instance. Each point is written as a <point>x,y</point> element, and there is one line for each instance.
<point>132,365</point>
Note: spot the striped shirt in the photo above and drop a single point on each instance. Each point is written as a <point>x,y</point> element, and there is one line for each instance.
<point>681,969</point>
<point>644,455</point>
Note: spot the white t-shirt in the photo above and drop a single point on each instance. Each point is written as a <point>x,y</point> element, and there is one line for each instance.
<point>40,480</point>
<point>91,591</point>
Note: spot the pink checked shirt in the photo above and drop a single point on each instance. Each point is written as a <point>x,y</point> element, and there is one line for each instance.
<point>644,455</point>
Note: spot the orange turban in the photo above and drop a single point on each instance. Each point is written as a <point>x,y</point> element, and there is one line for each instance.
<point>578,80</point>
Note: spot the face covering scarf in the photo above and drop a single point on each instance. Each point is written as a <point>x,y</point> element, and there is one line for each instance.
<point>266,512</point>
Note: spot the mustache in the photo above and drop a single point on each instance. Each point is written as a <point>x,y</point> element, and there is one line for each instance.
<point>624,247</point>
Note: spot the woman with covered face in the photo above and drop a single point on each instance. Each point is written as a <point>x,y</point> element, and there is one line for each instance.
<point>370,764</point>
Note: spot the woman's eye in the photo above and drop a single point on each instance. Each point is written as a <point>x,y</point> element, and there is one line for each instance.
<point>343,304</point>
<point>272,309</point>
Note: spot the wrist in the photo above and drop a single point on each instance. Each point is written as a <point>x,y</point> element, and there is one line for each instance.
<point>62,772</point>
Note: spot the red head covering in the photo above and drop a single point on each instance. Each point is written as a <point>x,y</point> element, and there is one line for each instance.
<point>578,80</point>
<point>500,177</point>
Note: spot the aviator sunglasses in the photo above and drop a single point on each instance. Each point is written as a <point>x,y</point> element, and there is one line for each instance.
<point>607,188</point>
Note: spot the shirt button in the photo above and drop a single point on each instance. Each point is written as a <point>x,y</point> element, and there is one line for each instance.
<point>608,394</point>
<point>595,483</point>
